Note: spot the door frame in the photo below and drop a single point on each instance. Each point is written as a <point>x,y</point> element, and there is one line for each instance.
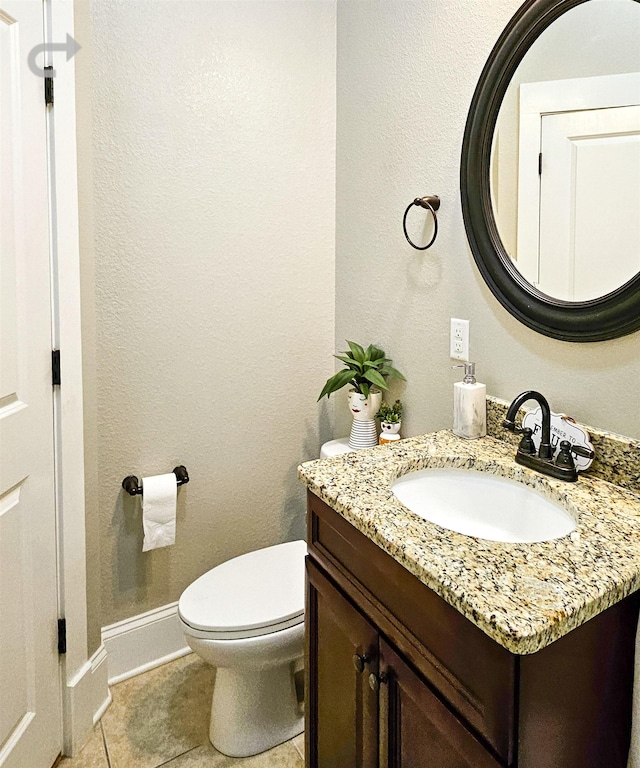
<point>85,694</point>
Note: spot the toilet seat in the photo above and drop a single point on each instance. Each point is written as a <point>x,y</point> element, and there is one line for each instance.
<point>255,594</point>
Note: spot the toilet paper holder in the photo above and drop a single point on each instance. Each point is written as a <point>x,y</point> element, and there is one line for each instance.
<point>133,488</point>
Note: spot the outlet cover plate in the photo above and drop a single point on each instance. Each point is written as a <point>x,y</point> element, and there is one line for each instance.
<point>459,339</point>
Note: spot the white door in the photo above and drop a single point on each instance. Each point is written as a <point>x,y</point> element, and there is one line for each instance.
<point>30,712</point>
<point>589,202</point>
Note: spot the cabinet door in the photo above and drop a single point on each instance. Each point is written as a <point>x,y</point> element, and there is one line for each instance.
<point>342,651</point>
<point>416,729</point>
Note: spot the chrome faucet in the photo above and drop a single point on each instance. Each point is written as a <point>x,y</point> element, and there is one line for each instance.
<point>564,467</point>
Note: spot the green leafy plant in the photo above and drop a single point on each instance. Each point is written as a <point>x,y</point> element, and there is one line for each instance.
<point>365,368</point>
<point>392,414</point>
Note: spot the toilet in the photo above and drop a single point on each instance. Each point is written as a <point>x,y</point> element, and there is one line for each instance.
<point>246,618</point>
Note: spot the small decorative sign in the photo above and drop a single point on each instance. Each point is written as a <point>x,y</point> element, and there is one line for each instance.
<point>562,428</point>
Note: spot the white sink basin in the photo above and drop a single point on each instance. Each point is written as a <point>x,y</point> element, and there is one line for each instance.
<point>482,505</point>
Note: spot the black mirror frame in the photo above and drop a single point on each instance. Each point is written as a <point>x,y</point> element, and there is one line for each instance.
<point>608,317</point>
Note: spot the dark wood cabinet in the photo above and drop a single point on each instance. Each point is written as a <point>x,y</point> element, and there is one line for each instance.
<point>367,707</point>
<point>416,728</point>
<point>397,678</point>
<point>343,647</point>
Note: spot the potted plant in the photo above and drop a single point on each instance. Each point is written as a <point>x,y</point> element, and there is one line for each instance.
<point>366,371</point>
<point>390,421</point>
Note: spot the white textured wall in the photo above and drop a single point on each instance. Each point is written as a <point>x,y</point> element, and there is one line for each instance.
<point>212,185</point>
<point>406,74</point>
<point>213,195</point>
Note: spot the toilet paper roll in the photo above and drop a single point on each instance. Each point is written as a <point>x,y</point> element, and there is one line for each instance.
<point>159,494</point>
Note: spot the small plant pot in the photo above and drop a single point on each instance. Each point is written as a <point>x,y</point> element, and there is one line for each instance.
<point>389,432</point>
<point>363,409</point>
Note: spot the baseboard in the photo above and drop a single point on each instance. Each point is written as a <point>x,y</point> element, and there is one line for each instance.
<point>143,642</point>
<point>86,698</point>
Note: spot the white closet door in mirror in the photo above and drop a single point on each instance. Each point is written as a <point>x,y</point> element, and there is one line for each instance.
<point>589,202</point>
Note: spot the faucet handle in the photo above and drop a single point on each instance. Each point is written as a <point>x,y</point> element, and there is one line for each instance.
<point>526,444</point>
<point>578,450</point>
<point>564,457</point>
<point>512,426</point>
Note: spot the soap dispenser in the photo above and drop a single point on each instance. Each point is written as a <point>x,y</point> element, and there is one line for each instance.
<point>469,405</point>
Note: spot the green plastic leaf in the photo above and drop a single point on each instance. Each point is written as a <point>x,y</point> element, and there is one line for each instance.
<point>376,378</point>
<point>356,351</point>
<point>390,371</point>
<point>350,362</point>
<point>336,382</point>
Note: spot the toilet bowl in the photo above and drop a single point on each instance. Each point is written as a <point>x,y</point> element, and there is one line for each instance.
<point>246,618</point>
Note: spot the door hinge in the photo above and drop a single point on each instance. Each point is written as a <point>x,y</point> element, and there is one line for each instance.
<point>540,164</point>
<point>48,86</point>
<point>62,636</point>
<point>55,368</point>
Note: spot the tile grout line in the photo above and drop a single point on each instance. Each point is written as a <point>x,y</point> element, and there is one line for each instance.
<point>294,741</point>
<point>106,724</point>
<point>104,744</point>
<point>175,757</point>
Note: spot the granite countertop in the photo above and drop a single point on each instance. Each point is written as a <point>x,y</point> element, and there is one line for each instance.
<point>524,596</point>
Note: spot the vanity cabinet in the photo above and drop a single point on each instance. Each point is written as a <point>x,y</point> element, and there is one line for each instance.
<point>397,678</point>
<point>370,707</point>
<point>416,727</point>
<point>344,703</point>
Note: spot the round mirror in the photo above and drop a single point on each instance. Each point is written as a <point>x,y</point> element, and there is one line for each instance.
<point>550,174</point>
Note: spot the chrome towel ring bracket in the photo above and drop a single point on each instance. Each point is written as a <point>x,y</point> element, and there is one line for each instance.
<point>431,203</point>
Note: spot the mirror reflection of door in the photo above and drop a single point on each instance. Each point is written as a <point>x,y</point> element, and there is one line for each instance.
<point>579,185</point>
<point>589,202</point>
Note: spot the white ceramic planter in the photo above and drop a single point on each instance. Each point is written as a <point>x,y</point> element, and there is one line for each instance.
<point>389,432</point>
<point>363,409</point>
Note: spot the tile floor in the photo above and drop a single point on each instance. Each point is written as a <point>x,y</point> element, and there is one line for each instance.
<point>161,718</point>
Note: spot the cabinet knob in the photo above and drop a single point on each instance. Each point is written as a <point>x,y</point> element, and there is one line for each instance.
<point>359,661</point>
<point>374,681</point>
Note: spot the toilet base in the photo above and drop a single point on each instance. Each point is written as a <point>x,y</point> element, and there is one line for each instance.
<point>252,711</point>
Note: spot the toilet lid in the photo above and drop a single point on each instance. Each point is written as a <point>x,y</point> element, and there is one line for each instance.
<point>259,590</point>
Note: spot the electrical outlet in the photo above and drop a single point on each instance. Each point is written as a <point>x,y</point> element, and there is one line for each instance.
<point>459,339</point>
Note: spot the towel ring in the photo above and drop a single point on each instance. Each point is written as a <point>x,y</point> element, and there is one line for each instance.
<point>431,203</point>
